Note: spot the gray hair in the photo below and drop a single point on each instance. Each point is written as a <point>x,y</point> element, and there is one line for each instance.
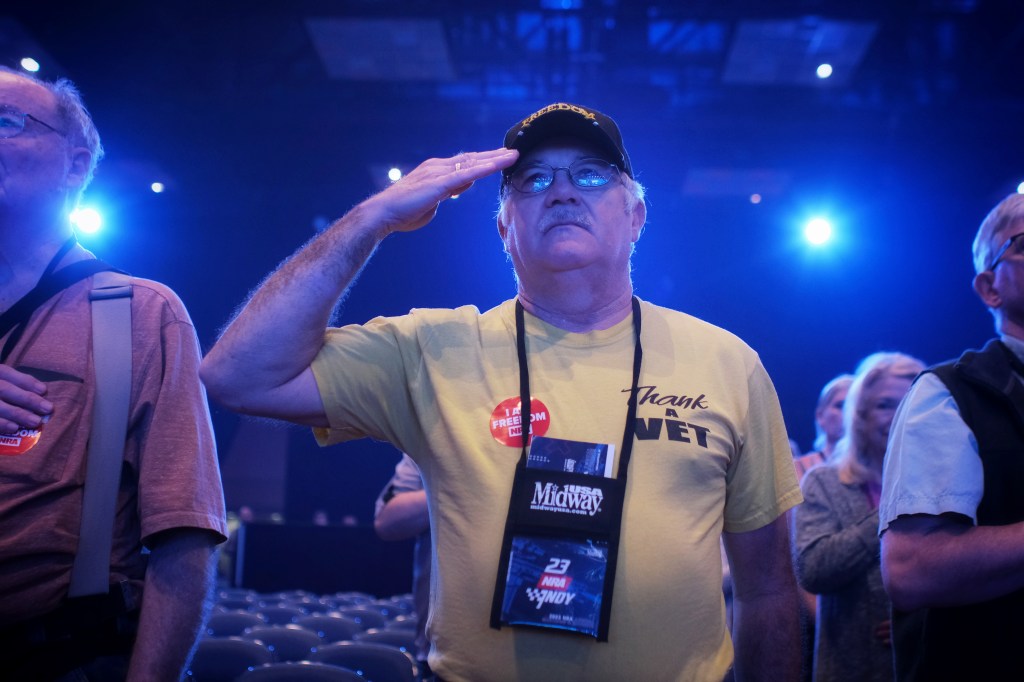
<point>1007,212</point>
<point>75,121</point>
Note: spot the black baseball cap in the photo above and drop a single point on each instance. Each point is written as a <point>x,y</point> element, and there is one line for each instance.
<point>569,120</point>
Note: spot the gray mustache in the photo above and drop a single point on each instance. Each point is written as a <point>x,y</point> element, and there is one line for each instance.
<point>560,216</point>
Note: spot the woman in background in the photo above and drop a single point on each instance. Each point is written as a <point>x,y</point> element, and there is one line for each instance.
<point>837,542</point>
<point>828,423</point>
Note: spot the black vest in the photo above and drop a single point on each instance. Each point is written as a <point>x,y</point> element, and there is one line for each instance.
<point>980,641</point>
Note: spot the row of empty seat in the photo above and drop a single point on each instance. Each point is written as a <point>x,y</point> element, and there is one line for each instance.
<point>300,636</point>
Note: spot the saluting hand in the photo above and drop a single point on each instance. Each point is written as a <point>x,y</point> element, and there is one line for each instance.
<point>412,202</point>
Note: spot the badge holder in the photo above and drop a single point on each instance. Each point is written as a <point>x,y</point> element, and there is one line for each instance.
<point>561,540</point>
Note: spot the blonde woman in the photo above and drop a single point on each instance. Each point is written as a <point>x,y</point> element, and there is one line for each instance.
<point>837,529</point>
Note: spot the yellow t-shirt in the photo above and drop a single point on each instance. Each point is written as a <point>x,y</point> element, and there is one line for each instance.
<point>711,454</point>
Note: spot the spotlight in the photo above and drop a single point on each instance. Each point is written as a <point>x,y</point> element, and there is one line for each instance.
<point>29,64</point>
<point>817,231</point>
<point>824,71</point>
<point>87,220</point>
<point>395,174</point>
<point>157,187</point>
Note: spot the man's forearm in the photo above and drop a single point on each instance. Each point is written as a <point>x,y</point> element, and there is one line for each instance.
<point>279,331</point>
<point>766,604</point>
<point>175,603</point>
<point>766,636</point>
<point>930,561</point>
<point>404,516</point>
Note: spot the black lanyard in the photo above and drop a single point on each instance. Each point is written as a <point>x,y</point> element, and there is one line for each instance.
<point>524,386</point>
<point>616,487</point>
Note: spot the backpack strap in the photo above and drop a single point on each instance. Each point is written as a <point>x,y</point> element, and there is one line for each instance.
<point>111,299</point>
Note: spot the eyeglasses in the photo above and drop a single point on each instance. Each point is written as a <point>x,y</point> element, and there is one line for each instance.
<point>1013,242</point>
<point>12,122</point>
<point>584,173</point>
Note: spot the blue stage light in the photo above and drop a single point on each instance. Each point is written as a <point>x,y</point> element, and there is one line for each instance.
<point>818,231</point>
<point>87,220</point>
